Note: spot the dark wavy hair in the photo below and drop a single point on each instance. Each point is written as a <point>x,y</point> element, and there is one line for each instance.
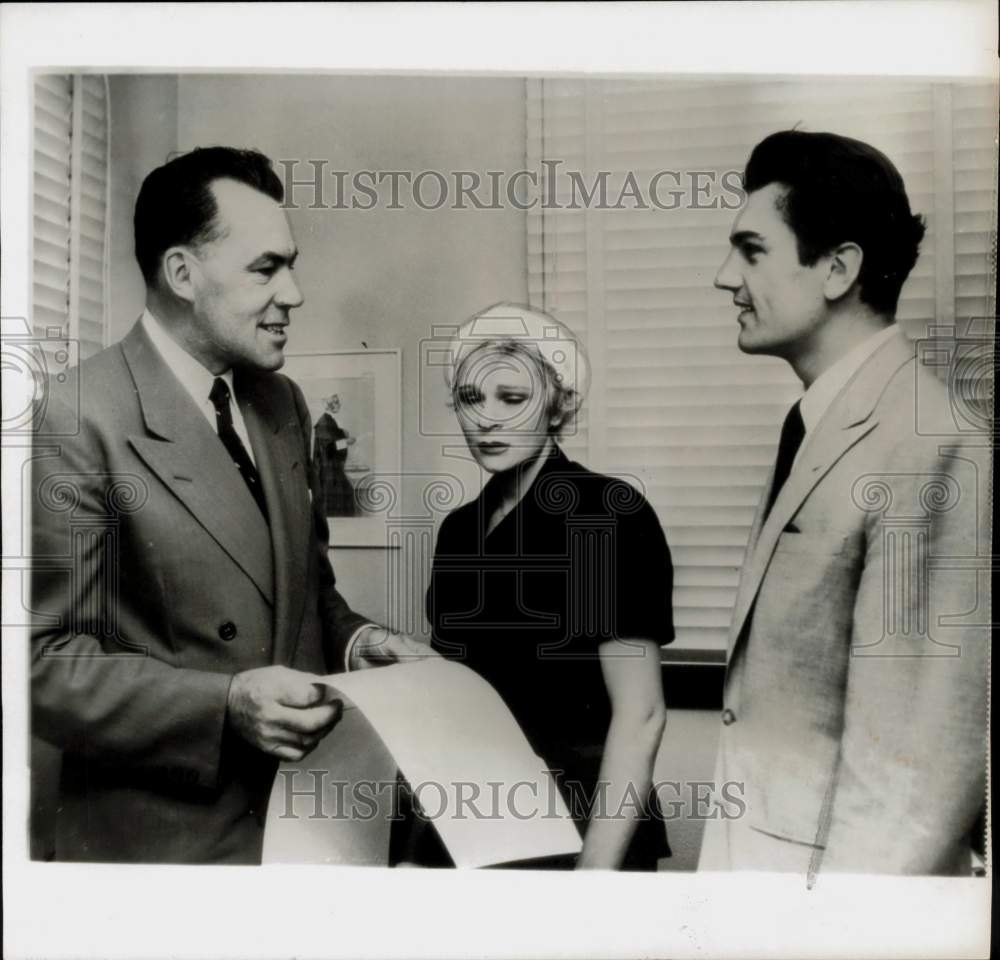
<point>176,205</point>
<point>841,190</point>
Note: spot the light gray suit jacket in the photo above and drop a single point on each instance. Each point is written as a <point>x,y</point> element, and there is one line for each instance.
<point>854,714</point>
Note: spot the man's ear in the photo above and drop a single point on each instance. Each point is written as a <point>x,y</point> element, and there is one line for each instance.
<point>845,265</point>
<point>177,268</point>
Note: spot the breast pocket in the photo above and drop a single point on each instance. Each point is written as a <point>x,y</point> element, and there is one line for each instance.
<point>808,569</point>
<point>800,540</point>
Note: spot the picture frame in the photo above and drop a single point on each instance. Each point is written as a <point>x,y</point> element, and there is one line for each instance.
<point>354,399</point>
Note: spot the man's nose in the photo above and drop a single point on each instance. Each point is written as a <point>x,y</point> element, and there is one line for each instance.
<point>728,276</point>
<point>289,294</point>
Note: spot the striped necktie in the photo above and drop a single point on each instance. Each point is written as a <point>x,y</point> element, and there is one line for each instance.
<point>231,441</point>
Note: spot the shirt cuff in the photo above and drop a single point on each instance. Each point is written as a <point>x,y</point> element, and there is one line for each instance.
<point>353,642</point>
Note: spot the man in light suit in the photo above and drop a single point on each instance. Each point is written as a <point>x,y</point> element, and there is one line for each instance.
<point>854,718</point>
<point>183,600</point>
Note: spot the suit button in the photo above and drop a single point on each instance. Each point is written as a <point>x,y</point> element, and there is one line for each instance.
<point>728,716</point>
<point>227,630</point>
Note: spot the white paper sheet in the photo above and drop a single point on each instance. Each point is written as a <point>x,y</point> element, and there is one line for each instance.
<point>312,817</point>
<point>468,762</point>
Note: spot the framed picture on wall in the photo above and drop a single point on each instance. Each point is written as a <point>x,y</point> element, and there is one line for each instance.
<point>354,400</point>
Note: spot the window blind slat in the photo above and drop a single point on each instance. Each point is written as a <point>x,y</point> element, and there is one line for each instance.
<point>51,297</point>
<point>54,83</point>
<point>52,143</point>
<point>51,122</point>
<point>45,318</point>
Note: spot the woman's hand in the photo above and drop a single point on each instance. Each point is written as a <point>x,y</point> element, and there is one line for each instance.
<point>377,646</point>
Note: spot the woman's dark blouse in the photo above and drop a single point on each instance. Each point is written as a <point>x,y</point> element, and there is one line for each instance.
<point>579,561</point>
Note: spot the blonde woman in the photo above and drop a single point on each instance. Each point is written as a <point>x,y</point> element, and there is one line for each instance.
<point>555,583</point>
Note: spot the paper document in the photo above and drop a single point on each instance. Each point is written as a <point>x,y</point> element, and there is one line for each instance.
<point>468,763</point>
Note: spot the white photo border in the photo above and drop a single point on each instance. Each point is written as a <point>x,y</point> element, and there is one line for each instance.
<point>68,910</point>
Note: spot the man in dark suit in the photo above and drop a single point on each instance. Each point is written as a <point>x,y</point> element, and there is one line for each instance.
<point>183,599</point>
<point>854,716</point>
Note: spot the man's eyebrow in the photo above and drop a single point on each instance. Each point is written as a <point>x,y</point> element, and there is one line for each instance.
<point>273,258</point>
<point>745,236</point>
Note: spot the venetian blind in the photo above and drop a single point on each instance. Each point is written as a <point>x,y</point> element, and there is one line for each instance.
<point>974,112</point>
<point>69,214</point>
<point>674,403</point>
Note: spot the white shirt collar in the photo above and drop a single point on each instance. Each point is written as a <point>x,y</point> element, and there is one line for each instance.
<point>194,377</point>
<point>824,389</point>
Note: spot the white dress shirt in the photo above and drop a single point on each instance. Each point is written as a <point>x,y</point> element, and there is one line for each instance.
<point>196,379</point>
<point>824,389</point>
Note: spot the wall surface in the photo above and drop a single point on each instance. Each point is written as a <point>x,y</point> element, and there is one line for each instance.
<point>686,758</point>
<point>382,277</point>
<point>143,135</point>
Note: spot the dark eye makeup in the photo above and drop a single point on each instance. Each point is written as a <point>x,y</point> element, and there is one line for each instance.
<point>468,394</point>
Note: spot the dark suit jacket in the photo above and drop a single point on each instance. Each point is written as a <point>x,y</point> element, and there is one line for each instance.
<point>338,494</point>
<point>156,579</point>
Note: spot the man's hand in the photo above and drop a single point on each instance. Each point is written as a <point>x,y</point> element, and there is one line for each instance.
<point>377,646</point>
<point>283,712</point>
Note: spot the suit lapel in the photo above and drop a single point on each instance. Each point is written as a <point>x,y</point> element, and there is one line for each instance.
<point>277,446</point>
<point>852,416</point>
<point>184,452</point>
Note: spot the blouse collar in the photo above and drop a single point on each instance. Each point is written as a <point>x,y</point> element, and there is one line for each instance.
<point>555,462</point>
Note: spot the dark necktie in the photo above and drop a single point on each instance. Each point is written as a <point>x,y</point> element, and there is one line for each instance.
<point>231,441</point>
<point>792,433</point>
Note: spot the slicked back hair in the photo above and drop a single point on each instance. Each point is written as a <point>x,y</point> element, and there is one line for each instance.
<point>840,190</point>
<point>176,204</point>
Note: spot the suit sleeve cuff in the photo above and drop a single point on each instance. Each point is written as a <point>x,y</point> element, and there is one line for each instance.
<point>352,643</point>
